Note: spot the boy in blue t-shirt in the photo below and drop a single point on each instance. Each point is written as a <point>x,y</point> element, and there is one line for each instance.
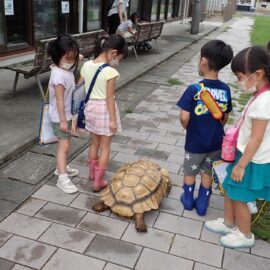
<point>204,133</point>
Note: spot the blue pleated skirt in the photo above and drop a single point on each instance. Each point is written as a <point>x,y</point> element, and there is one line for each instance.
<point>255,183</point>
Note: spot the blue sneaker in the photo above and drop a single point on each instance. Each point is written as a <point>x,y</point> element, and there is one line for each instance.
<point>202,202</point>
<point>187,197</point>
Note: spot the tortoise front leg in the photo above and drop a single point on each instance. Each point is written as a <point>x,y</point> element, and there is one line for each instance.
<point>139,223</point>
<point>100,207</point>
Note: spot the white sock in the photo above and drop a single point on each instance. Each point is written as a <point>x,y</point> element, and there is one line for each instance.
<point>62,176</point>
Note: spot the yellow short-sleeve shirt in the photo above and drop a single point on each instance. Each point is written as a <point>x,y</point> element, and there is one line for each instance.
<point>88,71</point>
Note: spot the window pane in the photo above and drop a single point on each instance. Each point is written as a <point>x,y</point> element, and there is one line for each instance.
<point>162,9</point>
<point>170,9</point>
<point>154,10</point>
<point>93,15</point>
<point>45,18</point>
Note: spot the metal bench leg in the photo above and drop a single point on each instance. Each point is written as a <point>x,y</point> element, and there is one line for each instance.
<point>135,52</point>
<point>40,87</point>
<point>157,45</point>
<point>15,83</point>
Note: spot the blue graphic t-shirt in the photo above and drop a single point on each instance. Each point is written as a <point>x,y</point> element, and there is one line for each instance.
<point>204,133</point>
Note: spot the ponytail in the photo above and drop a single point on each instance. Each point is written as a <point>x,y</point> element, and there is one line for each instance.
<point>113,42</point>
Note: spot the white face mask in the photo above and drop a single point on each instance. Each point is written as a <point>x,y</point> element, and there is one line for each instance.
<point>243,87</point>
<point>67,65</point>
<point>114,63</point>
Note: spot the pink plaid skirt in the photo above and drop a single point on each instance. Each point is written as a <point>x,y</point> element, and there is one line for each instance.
<point>97,117</point>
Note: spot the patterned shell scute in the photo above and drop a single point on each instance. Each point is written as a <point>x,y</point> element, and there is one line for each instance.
<point>135,188</point>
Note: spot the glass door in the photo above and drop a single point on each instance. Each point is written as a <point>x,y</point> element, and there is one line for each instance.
<point>93,15</point>
<point>17,25</point>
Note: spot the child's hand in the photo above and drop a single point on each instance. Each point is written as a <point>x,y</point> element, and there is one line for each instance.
<point>64,126</point>
<point>74,126</point>
<point>237,173</point>
<point>113,126</point>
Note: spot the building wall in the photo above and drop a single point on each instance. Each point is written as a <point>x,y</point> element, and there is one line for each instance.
<point>263,5</point>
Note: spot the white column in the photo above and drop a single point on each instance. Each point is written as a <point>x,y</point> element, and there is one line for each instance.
<point>80,16</point>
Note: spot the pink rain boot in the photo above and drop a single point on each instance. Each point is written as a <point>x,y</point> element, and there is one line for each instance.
<point>99,182</point>
<point>92,165</point>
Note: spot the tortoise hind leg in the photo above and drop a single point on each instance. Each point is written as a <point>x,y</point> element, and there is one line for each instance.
<point>139,223</point>
<point>100,207</point>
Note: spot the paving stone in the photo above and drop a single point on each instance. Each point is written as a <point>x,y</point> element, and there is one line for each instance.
<point>143,143</point>
<point>210,237</point>
<point>68,238</point>
<point>83,170</point>
<point>20,267</point>
<point>175,193</point>
<point>177,179</point>
<point>179,225</point>
<point>61,214</point>
<point>162,139</point>
<point>217,202</point>
<point>137,116</point>
<point>5,265</point>
<point>51,149</point>
<point>124,158</point>
<point>171,167</point>
<point>234,259</point>
<point>157,131</point>
<point>4,236</point>
<point>120,138</point>
<point>134,134</point>
<point>6,208</point>
<point>200,266</point>
<point>169,127</point>
<point>172,149</point>
<point>115,165</point>
<point>33,168</point>
<point>171,206</point>
<point>261,248</point>
<point>86,202</point>
<point>115,251</point>
<point>31,206</point>
<point>210,215</point>
<point>54,194</point>
<point>154,238</point>
<point>197,250</point>
<point>111,266</point>
<point>26,252</point>
<point>15,191</point>
<point>150,153</point>
<point>123,148</point>
<point>103,225</point>
<point>152,259</point>
<point>68,260</point>
<point>155,79</point>
<point>179,159</point>
<point>28,226</point>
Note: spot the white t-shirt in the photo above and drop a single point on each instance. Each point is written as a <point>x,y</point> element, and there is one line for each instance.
<point>114,9</point>
<point>259,109</point>
<point>65,78</point>
<point>100,88</point>
<point>125,25</point>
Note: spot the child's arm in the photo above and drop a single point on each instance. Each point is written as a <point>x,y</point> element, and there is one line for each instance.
<point>80,80</point>
<point>224,119</point>
<point>59,93</point>
<point>257,133</point>
<point>184,118</point>
<point>111,104</point>
<point>130,30</point>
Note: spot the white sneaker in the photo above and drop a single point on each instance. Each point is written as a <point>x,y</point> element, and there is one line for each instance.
<point>237,240</point>
<point>70,171</point>
<point>65,184</point>
<point>218,226</point>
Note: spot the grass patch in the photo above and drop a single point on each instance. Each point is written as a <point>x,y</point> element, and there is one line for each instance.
<point>262,225</point>
<point>129,110</point>
<point>174,81</point>
<point>260,34</point>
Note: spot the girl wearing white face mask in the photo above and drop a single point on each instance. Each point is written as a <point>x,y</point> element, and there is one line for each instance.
<point>101,112</point>
<point>248,177</point>
<point>64,52</point>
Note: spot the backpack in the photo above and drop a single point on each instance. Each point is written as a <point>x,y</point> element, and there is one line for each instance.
<point>109,5</point>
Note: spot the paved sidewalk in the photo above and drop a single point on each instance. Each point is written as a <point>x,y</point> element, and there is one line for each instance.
<point>57,231</point>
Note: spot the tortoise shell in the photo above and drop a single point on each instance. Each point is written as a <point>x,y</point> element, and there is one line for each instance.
<point>136,188</point>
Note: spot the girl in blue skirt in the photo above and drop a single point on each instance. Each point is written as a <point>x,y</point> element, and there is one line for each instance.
<point>248,177</point>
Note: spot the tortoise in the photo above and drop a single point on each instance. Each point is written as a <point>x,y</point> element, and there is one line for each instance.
<point>135,188</point>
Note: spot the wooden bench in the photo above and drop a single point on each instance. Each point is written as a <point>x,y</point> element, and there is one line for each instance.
<point>146,32</point>
<point>42,60</point>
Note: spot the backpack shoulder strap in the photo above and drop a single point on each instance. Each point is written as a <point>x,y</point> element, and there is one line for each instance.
<point>93,82</point>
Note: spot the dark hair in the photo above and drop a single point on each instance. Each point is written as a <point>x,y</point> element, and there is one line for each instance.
<point>62,44</point>
<point>251,59</point>
<point>133,16</point>
<point>218,53</point>
<point>112,42</point>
